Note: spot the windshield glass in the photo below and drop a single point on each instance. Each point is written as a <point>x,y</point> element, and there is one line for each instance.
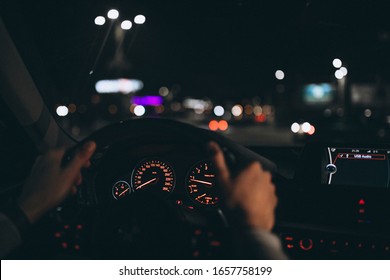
<point>260,72</point>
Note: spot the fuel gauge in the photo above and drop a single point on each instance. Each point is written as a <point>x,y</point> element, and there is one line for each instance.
<point>120,190</point>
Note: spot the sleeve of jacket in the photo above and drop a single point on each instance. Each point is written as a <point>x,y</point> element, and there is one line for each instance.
<point>257,244</point>
<point>10,237</point>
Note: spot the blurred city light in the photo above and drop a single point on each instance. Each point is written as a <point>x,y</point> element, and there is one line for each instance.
<point>306,127</point>
<point>279,74</point>
<point>62,111</point>
<point>199,109</point>
<point>159,109</point>
<point>163,91</point>
<point>126,25</point>
<point>295,127</point>
<point>112,109</point>
<point>113,14</point>
<point>147,100</point>
<point>223,125</point>
<point>139,19</point>
<point>261,118</point>
<point>95,99</point>
<point>139,110</point>
<point>195,104</point>
<point>312,130</point>
<point>237,110</point>
<point>248,109</point>
<point>257,110</point>
<point>72,108</point>
<point>100,20</point>
<point>219,110</point>
<point>338,74</point>
<point>124,86</point>
<point>337,63</point>
<point>131,108</point>
<point>176,106</point>
<point>344,71</point>
<point>213,125</point>
<point>367,113</point>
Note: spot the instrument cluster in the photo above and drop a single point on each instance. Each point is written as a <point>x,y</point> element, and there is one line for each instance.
<point>179,181</point>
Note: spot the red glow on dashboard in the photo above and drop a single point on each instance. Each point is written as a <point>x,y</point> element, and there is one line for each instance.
<point>306,245</point>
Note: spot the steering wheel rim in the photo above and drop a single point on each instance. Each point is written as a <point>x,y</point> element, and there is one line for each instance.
<point>237,156</point>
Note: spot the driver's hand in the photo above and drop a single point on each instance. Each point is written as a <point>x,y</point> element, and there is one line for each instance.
<point>252,191</point>
<point>49,183</point>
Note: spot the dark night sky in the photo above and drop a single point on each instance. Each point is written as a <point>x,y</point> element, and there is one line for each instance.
<point>213,48</point>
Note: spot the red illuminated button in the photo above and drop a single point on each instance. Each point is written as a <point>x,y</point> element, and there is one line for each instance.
<point>306,244</point>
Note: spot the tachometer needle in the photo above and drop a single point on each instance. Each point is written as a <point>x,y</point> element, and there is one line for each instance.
<point>146,183</point>
<point>122,193</point>
<point>199,197</point>
<point>203,182</point>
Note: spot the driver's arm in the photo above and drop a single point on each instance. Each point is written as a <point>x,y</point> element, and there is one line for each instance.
<point>48,185</point>
<point>251,200</point>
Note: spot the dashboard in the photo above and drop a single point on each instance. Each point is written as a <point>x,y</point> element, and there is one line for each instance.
<point>333,202</point>
<point>175,172</point>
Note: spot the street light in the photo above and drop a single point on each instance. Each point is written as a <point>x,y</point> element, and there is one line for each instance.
<point>126,25</point>
<point>139,19</point>
<point>279,74</point>
<point>99,20</point>
<point>113,14</point>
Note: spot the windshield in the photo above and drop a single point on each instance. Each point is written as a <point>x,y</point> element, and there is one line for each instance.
<point>260,72</point>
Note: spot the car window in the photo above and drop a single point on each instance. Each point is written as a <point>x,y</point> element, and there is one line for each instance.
<point>260,72</point>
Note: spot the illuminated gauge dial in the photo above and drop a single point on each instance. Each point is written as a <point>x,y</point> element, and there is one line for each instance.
<point>120,190</point>
<point>153,176</point>
<point>201,183</point>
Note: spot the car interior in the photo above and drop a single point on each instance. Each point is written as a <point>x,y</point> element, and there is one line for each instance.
<point>302,87</point>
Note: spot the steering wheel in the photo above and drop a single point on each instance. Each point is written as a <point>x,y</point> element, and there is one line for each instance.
<point>148,226</point>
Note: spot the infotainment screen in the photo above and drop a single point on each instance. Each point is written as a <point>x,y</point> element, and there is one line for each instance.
<point>356,167</point>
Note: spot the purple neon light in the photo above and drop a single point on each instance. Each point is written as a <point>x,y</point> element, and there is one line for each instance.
<point>148,100</point>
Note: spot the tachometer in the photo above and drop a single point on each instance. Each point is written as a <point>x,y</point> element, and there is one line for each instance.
<point>201,183</point>
<point>153,176</point>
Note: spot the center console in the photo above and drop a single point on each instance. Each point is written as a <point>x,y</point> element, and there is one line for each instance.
<point>338,204</point>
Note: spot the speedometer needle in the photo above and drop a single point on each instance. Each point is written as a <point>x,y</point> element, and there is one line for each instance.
<point>122,193</point>
<point>203,182</point>
<point>146,183</point>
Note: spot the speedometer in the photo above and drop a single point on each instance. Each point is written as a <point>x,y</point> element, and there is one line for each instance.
<point>153,176</point>
<point>201,183</point>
